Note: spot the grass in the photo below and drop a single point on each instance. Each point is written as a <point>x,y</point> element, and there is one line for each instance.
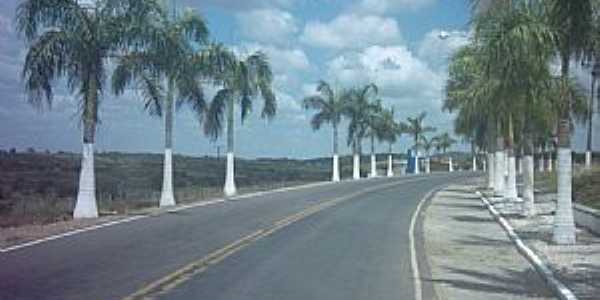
<point>40,188</point>
<point>586,186</point>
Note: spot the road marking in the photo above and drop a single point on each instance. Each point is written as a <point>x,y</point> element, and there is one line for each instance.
<point>70,233</point>
<point>413,248</point>
<point>185,273</point>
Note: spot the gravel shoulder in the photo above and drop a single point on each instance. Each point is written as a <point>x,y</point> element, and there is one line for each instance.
<point>577,266</point>
<point>470,256</point>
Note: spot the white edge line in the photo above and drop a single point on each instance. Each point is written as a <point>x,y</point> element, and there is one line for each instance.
<point>560,288</point>
<point>413,249</point>
<point>70,233</point>
<point>177,209</point>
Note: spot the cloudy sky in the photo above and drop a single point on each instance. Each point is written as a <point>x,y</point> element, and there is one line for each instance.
<point>394,43</point>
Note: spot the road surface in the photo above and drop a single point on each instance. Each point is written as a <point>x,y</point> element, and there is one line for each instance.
<point>334,241</point>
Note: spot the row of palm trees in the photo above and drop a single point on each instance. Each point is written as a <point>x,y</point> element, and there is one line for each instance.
<point>512,91</point>
<point>367,118</point>
<point>161,52</point>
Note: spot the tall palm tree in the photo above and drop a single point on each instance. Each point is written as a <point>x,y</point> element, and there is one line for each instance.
<point>427,144</point>
<point>445,142</point>
<point>572,22</point>
<point>243,80</point>
<point>330,106</point>
<point>416,128</point>
<point>389,132</point>
<point>74,40</point>
<point>168,73</point>
<point>374,132</point>
<point>357,106</point>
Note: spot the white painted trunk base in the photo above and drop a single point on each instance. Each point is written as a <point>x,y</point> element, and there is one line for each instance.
<point>541,163</point>
<point>474,162</point>
<point>336,168</point>
<point>356,167</point>
<point>229,189</point>
<point>428,165</point>
<point>86,206</point>
<point>588,160</point>
<point>499,173</point>
<point>167,198</point>
<point>373,173</point>
<point>520,165</point>
<point>390,167</point>
<point>564,224</point>
<point>450,165</point>
<point>550,164</point>
<point>511,188</point>
<point>490,170</point>
<point>505,155</point>
<point>417,171</point>
<point>528,186</point>
<point>484,165</point>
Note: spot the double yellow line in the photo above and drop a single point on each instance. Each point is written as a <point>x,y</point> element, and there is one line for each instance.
<point>185,273</point>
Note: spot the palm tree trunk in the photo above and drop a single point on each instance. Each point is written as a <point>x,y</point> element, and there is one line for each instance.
<point>86,206</point>
<point>167,198</point>
<point>564,224</point>
<point>230,189</point>
<point>373,158</point>
<point>550,162</point>
<point>336,168</point>
<point>390,169</point>
<point>474,160</point>
<point>499,162</point>
<point>528,177</point>
<point>490,157</point>
<point>356,161</point>
<point>511,188</point>
<point>416,156</point>
<point>541,161</point>
<point>588,152</point>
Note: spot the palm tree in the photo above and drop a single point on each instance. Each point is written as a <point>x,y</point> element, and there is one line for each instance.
<point>167,73</point>
<point>357,106</point>
<point>445,142</point>
<point>374,131</point>
<point>416,127</point>
<point>330,106</point>
<point>427,144</point>
<point>243,80</point>
<point>572,22</point>
<point>389,132</point>
<point>74,40</point>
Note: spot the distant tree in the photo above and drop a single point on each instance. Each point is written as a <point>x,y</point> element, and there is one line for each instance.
<point>13,150</point>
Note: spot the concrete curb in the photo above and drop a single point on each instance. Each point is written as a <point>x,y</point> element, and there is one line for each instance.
<point>561,290</point>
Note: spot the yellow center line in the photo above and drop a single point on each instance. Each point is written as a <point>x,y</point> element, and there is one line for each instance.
<point>185,273</point>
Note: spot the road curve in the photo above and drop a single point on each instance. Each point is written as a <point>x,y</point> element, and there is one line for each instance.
<point>337,241</point>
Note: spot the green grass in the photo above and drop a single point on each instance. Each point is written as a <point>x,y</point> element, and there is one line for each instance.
<point>40,188</point>
<point>586,188</point>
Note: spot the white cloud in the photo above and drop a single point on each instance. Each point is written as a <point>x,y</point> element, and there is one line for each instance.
<point>395,69</point>
<point>391,6</point>
<point>269,26</point>
<point>351,31</point>
<point>282,60</point>
<point>438,46</point>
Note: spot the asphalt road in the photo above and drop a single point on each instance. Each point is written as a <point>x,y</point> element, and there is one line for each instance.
<point>351,243</point>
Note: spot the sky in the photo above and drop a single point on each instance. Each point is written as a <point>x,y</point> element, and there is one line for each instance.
<point>394,43</point>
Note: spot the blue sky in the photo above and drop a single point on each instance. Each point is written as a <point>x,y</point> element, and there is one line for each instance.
<point>394,43</point>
